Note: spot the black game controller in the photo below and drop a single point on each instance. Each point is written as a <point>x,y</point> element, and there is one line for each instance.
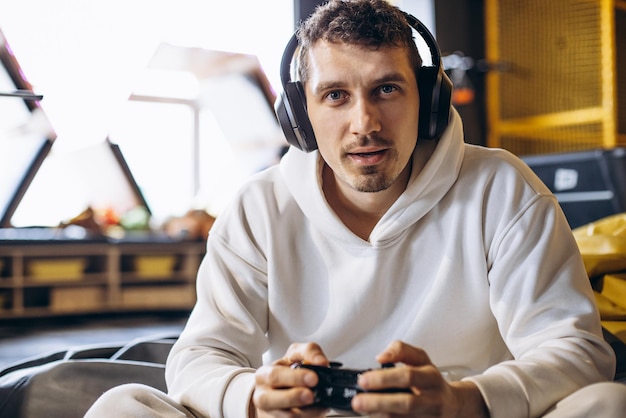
<point>337,386</point>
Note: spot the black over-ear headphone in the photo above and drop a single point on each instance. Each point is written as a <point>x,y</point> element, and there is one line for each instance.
<point>435,90</point>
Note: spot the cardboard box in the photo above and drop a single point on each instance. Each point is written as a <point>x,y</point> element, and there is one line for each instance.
<point>171,296</point>
<point>84,298</point>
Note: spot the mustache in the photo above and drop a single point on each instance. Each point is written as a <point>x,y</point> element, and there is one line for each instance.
<point>368,141</point>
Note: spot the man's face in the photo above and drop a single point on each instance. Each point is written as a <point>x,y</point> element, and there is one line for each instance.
<point>363,105</point>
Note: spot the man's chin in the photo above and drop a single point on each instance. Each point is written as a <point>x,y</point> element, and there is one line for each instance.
<point>370,184</point>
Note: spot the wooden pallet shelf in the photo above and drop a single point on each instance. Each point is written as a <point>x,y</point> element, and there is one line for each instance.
<point>59,278</point>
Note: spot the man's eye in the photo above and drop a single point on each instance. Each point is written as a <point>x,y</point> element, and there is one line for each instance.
<point>334,95</point>
<point>386,89</point>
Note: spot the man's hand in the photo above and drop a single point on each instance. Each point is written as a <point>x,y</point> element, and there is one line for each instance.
<point>430,395</point>
<point>282,391</point>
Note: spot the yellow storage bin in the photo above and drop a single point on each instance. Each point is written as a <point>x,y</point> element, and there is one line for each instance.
<point>56,269</point>
<point>154,266</point>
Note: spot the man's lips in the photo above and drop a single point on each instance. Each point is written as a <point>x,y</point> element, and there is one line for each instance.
<point>367,157</point>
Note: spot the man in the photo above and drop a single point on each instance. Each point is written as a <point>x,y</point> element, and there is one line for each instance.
<point>452,261</point>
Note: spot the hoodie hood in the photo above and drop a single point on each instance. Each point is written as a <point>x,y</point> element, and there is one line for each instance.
<point>434,172</point>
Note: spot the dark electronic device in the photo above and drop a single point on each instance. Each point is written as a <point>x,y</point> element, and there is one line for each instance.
<point>337,386</point>
<point>589,185</point>
<point>435,90</point>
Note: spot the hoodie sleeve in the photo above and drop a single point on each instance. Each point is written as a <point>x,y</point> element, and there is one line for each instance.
<point>545,312</point>
<point>210,369</point>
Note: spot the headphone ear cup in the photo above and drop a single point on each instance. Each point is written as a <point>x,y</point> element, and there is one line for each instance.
<point>445,102</point>
<point>293,118</point>
<point>435,90</point>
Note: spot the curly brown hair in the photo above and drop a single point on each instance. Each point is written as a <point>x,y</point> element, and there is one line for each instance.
<point>366,23</point>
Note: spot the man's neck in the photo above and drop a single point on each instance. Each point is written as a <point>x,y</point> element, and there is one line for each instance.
<point>361,211</point>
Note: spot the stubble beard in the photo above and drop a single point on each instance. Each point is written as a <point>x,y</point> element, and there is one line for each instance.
<point>372,178</point>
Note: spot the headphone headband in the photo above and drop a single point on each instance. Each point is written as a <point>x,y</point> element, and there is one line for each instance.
<point>435,90</point>
<point>285,62</point>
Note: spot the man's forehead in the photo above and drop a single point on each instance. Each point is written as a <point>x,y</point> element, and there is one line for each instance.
<point>341,61</point>
<point>323,44</point>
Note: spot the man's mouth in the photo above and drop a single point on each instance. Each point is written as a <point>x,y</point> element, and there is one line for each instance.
<point>369,154</point>
<point>369,158</point>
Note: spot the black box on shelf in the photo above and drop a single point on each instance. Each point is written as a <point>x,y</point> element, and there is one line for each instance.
<point>589,185</point>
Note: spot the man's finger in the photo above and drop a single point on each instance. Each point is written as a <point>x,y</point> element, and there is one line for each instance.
<point>274,400</point>
<point>283,377</point>
<point>309,353</point>
<point>400,352</point>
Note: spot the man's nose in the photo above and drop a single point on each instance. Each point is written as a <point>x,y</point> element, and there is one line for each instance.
<point>364,117</point>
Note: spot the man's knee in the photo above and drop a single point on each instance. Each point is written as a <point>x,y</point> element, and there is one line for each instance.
<point>133,400</point>
<point>607,400</point>
<point>611,398</point>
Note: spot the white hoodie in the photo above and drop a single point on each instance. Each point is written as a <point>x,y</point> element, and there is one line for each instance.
<point>474,262</point>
